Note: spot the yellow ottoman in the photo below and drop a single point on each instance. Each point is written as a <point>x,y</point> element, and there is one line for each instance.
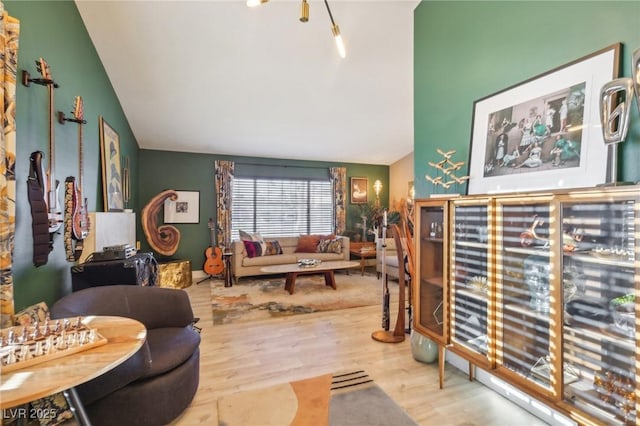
<point>174,274</point>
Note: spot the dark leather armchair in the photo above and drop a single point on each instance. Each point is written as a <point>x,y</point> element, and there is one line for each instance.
<point>156,384</point>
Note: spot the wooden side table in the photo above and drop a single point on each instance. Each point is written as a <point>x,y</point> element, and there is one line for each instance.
<point>363,251</point>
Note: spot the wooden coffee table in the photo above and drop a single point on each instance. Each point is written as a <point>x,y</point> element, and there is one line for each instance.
<point>293,270</point>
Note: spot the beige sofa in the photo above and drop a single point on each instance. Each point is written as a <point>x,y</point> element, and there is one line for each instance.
<point>244,266</point>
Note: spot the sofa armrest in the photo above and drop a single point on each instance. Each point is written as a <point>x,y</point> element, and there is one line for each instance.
<point>237,254</point>
<point>346,245</point>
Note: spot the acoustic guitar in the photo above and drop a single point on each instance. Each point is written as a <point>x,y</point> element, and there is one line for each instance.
<point>213,264</point>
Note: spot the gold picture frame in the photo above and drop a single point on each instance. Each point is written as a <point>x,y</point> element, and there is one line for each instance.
<point>111,170</point>
<point>359,190</point>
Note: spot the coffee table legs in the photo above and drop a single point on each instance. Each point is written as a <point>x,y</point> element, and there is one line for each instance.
<point>290,281</point>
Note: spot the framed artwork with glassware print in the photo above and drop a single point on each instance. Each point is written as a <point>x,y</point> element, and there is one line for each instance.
<point>545,132</point>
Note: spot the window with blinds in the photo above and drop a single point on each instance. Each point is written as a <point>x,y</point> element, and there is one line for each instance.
<point>281,207</point>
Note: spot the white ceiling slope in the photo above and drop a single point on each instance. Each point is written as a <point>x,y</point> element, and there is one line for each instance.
<point>219,77</point>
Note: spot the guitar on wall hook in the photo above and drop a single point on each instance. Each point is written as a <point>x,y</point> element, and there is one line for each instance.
<point>53,185</point>
<point>80,215</point>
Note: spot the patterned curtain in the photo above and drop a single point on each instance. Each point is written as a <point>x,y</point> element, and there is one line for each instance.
<point>339,180</point>
<point>9,32</point>
<point>223,182</point>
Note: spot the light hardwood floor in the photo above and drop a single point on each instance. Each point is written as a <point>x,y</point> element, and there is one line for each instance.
<point>243,356</point>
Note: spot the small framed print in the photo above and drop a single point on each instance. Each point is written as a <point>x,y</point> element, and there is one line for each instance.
<point>111,170</point>
<point>359,190</point>
<point>184,209</point>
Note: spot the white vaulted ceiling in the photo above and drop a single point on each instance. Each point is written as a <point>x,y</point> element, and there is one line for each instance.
<point>219,77</point>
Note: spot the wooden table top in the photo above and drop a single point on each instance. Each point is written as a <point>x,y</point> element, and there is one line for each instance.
<point>364,251</point>
<point>320,267</point>
<point>124,337</point>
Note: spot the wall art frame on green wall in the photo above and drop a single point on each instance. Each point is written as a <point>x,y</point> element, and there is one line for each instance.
<point>359,190</point>
<point>184,209</point>
<point>111,169</point>
<point>543,133</point>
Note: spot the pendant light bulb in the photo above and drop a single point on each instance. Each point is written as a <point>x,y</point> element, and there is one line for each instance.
<point>339,42</point>
<point>304,11</point>
<point>254,3</point>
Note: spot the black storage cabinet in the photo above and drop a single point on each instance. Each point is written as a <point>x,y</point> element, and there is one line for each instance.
<point>140,269</point>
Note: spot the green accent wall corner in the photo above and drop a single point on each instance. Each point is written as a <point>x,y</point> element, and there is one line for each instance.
<point>467,50</point>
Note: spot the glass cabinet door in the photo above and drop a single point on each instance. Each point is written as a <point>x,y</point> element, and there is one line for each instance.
<point>599,283</point>
<point>431,287</point>
<point>471,329</point>
<point>524,265</point>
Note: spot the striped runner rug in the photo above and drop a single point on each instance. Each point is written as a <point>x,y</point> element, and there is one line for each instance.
<point>344,399</point>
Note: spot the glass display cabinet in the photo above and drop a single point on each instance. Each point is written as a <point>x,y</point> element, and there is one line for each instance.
<point>471,254</point>
<point>524,292</point>
<point>599,288</point>
<point>541,290</point>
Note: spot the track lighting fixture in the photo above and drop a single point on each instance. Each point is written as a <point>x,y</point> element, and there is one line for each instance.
<point>336,33</point>
<point>304,11</point>
<point>254,3</point>
<point>304,17</point>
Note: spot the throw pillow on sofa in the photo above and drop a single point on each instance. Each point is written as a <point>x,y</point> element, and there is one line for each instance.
<point>272,248</point>
<point>262,248</point>
<point>253,248</point>
<point>330,246</point>
<point>248,236</point>
<point>309,243</point>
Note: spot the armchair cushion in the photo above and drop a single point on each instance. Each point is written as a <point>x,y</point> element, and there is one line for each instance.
<point>170,346</point>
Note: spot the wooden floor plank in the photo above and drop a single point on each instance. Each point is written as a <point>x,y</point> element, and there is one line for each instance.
<point>243,356</point>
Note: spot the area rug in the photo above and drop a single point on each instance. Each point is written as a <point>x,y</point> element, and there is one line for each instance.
<point>259,299</point>
<point>342,399</point>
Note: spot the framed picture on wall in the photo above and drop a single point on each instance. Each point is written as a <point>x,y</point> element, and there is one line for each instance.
<point>359,190</point>
<point>543,133</point>
<point>111,170</point>
<point>184,209</point>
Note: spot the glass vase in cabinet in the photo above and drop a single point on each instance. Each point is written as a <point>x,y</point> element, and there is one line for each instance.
<point>599,287</point>
<point>471,280</point>
<point>524,293</point>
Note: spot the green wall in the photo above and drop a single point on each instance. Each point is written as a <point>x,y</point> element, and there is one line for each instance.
<point>54,30</point>
<point>160,170</point>
<point>466,50</point>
